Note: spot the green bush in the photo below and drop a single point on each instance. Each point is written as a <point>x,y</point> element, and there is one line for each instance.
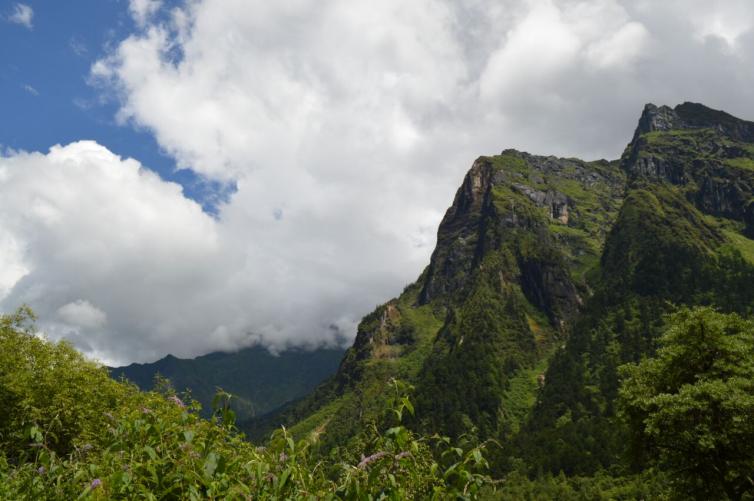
<point>690,407</point>
<point>68,431</point>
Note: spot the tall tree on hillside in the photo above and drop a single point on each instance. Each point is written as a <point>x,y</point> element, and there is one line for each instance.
<point>691,407</point>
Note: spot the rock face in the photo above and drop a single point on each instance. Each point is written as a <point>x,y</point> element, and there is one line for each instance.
<point>655,118</point>
<point>555,201</point>
<point>691,116</point>
<point>709,153</point>
<point>516,192</point>
<point>457,251</point>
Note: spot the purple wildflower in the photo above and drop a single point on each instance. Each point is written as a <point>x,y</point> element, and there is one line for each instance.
<point>177,401</point>
<point>95,483</point>
<point>283,457</point>
<point>41,470</point>
<point>144,410</point>
<point>370,459</point>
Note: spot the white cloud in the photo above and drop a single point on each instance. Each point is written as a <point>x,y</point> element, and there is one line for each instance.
<point>23,15</point>
<point>143,10</point>
<point>542,35</point>
<point>82,313</point>
<point>31,90</point>
<point>728,22</point>
<point>347,126</point>
<point>621,49</point>
<point>12,255</point>
<point>81,222</point>
<point>78,46</point>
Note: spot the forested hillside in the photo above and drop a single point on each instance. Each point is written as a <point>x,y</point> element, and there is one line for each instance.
<point>69,431</point>
<point>259,381</point>
<point>550,274</point>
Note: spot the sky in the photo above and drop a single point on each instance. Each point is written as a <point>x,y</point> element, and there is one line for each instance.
<point>195,175</point>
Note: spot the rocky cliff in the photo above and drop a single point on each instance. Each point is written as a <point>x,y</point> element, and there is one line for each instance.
<point>708,154</point>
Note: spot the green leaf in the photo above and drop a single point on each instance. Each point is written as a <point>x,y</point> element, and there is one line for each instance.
<point>210,464</point>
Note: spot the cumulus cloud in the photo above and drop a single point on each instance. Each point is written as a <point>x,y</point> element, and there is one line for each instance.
<point>346,127</point>
<point>23,15</point>
<point>82,313</point>
<point>96,241</point>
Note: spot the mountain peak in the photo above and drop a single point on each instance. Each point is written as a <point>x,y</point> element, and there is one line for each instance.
<point>690,115</point>
<point>655,118</point>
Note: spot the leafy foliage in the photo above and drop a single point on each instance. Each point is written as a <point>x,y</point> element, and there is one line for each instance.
<point>646,485</point>
<point>68,431</point>
<point>690,406</point>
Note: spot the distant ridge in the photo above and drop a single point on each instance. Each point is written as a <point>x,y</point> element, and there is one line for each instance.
<point>259,381</point>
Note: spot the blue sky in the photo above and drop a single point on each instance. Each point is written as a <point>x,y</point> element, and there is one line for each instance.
<point>44,87</point>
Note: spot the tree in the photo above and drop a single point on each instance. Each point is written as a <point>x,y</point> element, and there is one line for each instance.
<point>691,407</point>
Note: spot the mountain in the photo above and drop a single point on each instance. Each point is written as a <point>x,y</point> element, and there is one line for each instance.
<point>548,274</point>
<point>584,330</point>
<point>682,237</point>
<point>258,380</point>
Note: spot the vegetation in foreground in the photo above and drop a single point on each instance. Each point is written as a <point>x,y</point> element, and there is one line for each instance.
<point>68,431</point>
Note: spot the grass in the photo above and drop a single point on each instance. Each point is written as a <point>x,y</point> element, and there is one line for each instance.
<point>404,363</point>
<point>746,163</point>
<point>744,245</point>
<point>662,136</point>
<point>521,395</point>
<point>317,421</point>
<point>731,230</point>
<point>690,139</point>
<point>510,162</point>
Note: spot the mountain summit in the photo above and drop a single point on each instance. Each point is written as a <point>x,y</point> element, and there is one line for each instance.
<point>548,274</point>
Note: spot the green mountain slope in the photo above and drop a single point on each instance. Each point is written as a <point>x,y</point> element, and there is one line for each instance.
<point>512,264</point>
<point>549,274</point>
<point>680,239</point>
<point>258,380</point>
